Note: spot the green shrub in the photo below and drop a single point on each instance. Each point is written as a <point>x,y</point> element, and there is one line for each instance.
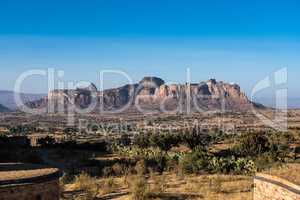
<point>232,165</point>
<point>265,161</point>
<point>198,161</point>
<point>194,162</point>
<point>195,139</point>
<point>164,141</point>
<point>157,162</point>
<point>244,166</point>
<point>142,140</point>
<point>252,145</point>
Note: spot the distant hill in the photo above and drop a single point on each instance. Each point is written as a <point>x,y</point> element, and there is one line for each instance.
<point>4,109</point>
<point>292,102</point>
<point>7,98</point>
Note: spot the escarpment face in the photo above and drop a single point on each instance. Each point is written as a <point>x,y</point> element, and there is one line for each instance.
<point>153,92</point>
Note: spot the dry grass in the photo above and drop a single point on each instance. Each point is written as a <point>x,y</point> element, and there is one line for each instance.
<point>139,188</point>
<point>216,187</point>
<point>87,184</point>
<point>158,183</point>
<point>289,172</point>
<point>171,186</point>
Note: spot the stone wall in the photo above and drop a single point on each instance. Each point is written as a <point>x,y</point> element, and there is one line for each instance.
<point>39,188</point>
<point>268,187</point>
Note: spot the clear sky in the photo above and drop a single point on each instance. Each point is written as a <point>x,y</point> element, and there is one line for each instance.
<point>230,40</point>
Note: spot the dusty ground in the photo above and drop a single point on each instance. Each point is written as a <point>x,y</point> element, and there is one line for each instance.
<point>212,187</point>
<point>289,172</point>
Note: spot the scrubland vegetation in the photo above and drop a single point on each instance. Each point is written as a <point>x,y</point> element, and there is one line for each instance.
<point>173,166</point>
<point>181,164</point>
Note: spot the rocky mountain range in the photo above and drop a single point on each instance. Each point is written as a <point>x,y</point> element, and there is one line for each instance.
<point>151,94</point>
<point>7,98</point>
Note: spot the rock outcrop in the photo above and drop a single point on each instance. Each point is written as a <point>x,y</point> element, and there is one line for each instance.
<point>152,92</point>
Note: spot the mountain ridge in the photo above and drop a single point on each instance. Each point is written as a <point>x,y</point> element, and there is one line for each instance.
<point>7,98</point>
<point>152,92</point>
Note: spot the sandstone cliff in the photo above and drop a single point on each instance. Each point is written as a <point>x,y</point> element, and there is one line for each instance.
<point>152,92</point>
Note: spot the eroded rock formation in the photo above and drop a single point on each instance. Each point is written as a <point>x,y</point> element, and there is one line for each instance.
<point>153,92</point>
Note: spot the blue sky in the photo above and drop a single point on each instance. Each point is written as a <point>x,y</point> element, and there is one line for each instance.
<point>234,41</point>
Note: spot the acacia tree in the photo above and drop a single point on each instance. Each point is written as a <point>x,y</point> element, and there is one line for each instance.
<point>253,145</point>
<point>164,141</point>
<point>195,139</point>
<point>142,140</point>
